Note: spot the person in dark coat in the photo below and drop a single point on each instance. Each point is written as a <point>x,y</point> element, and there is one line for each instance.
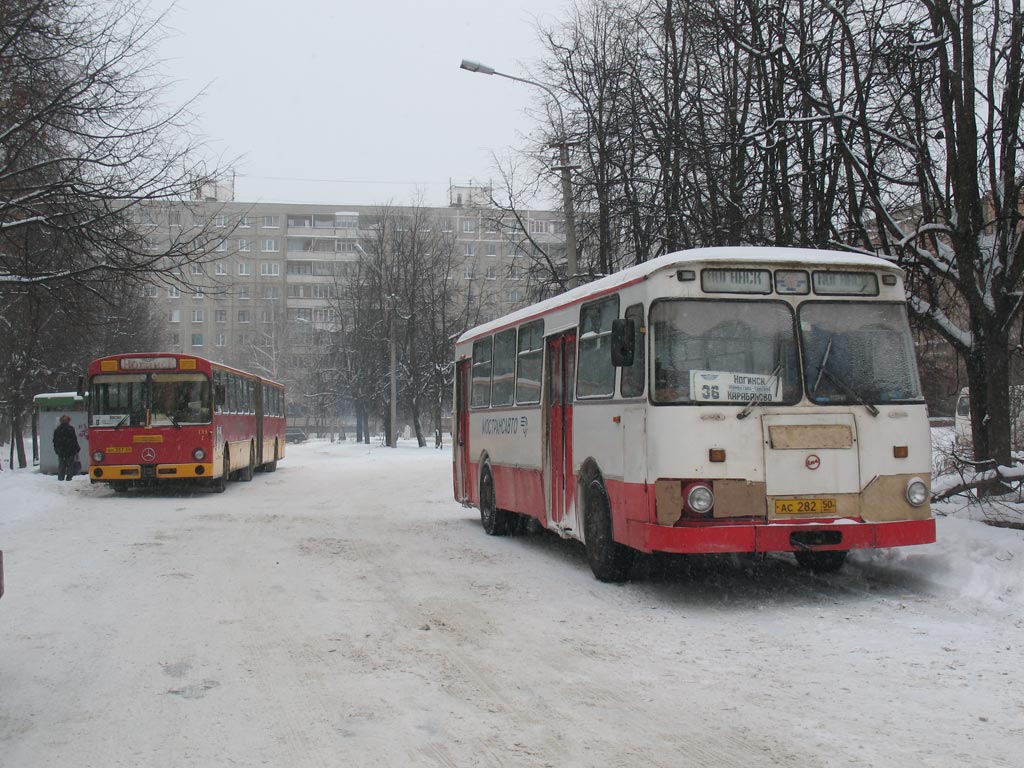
<point>65,444</point>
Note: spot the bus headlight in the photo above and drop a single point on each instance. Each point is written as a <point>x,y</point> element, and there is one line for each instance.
<point>198,454</point>
<point>97,456</point>
<point>917,492</point>
<point>699,498</point>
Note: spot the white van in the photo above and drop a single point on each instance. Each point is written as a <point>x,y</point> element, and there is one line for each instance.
<point>962,419</point>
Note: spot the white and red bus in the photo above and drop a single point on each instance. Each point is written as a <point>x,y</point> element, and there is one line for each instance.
<point>708,401</point>
<point>155,418</point>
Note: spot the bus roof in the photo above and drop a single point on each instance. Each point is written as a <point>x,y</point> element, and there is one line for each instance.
<point>804,257</point>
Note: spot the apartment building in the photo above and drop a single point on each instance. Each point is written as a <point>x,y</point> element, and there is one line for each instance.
<point>276,270</point>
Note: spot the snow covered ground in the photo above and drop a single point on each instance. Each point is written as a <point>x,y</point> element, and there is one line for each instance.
<point>344,611</point>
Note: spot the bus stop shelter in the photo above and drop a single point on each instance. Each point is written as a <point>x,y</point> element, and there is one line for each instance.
<point>49,407</point>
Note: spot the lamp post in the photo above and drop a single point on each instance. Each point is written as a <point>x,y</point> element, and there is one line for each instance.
<point>563,163</point>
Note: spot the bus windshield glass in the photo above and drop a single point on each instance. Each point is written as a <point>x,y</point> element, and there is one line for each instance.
<point>858,352</point>
<point>169,399</point>
<point>722,351</point>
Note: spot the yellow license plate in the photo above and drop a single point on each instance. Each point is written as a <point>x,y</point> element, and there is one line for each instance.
<point>805,506</point>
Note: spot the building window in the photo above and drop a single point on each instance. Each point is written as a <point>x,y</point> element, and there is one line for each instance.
<point>270,222</point>
<point>221,339</point>
<point>244,245</point>
<point>300,220</point>
<point>174,316</point>
<point>174,218</point>
<point>270,269</point>
<point>467,272</point>
<point>269,245</point>
<point>244,293</point>
<point>195,269</point>
<point>266,316</point>
<point>150,291</point>
<point>468,226</point>
<point>220,315</point>
<point>271,293</point>
<point>197,293</point>
<point>243,221</point>
<point>220,269</point>
<point>197,339</point>
<point>220,220</point>
<point>492,273</point>
<point>197,315</point>
<point>243,269</point>
<point>469,249</point>
<point>538,227</point>
<point>173,292</point>
<point>175,339</point>
<point>222,245</point>
<point>243,315</point>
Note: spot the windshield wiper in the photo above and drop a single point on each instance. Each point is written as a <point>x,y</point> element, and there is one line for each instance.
<point>121,422</point>
<point>173,420</point>
<point>755,401</point>
<point>846,390</point>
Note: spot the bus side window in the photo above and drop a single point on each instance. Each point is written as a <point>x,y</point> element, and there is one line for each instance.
<point>220,396</point>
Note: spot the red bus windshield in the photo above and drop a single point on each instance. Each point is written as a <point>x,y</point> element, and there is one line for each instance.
<point>167,399</point>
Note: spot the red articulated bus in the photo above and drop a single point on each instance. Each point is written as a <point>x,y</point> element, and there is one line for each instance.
<point>162,417</point>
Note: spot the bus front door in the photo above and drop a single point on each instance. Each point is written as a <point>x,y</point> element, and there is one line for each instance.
<point>460,422</point>
<point>561,353</point>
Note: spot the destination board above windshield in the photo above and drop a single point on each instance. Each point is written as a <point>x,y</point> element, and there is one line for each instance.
<point>736,280</point>
<point>845,283</point>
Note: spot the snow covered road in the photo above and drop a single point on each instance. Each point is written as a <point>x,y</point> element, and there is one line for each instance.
<point>344,611</point>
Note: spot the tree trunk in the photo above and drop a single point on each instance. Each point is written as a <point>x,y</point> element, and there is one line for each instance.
<point>988,378</point>
<point>18,440</point>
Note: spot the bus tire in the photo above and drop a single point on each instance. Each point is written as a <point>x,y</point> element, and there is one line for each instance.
<point>822,562</point>
<point>220,484</point>
<point>495,521</point>
<point>609,560</point>
<point>245,473</point>
<point>119,486</point>
<point>271,466</point>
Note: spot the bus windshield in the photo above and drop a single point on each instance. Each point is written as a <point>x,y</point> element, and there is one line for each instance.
<point>858,352</point>
<point>169,399</point>
<point>720,351</point>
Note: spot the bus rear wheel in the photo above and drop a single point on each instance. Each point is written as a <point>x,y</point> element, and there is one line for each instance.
<point>822,562</point>
<point>609,560</point>
<point>495,521</point>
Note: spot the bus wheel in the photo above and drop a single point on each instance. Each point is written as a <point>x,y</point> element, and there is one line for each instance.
<point>609,560</point>
<point>495,521</point>
<point>220,484</point>
<point>822,562</point>
<point>245,474</point>
<point>271,466</point>
<point>119,486</point>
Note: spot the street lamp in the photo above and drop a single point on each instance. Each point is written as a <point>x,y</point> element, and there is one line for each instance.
<point>563,160</point>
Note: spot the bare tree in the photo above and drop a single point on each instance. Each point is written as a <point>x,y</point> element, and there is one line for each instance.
<point>86,149</point>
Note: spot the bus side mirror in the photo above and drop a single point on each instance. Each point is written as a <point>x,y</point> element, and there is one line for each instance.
<point>81,386</point>
<point>623,336</point>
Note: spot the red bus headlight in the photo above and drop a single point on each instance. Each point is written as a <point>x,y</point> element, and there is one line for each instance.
<point>198,454</point>
<point>97,456</point>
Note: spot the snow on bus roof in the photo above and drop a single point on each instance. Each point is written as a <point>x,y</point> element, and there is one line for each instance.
<point>721,255</point>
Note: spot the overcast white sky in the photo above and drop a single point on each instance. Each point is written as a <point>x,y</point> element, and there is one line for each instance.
<point>355,102</point>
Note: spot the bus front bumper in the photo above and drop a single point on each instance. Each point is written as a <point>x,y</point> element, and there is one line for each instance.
<point>781,537</point>
<point>117,472</point>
